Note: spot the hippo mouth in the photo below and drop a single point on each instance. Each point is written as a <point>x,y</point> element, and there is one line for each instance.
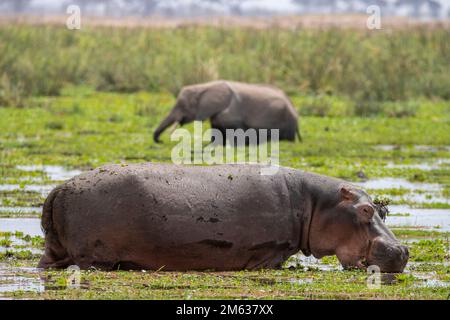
<point>389,257</point>
<point>361,263</point>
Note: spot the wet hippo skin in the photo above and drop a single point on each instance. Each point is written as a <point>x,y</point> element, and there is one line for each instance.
<point>226,217</point>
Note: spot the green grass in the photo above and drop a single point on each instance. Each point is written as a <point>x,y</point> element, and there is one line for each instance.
<point>101,128</point>
<point>366,66</point>
<point>108,127</point>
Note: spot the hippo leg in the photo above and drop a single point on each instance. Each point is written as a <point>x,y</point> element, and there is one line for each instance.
<point>269,255</point>
<point>55,255</point>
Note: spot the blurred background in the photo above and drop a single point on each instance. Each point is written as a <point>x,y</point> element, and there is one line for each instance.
<point>423,9</point>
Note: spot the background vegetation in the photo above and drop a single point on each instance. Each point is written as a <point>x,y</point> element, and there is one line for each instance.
<point>364,67</point>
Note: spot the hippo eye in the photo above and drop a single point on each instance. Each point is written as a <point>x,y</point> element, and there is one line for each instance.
<point>366,212</point>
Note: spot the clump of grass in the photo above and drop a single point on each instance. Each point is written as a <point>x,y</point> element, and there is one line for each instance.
<point>323,105</point>
<point>418,233</point>
<point>6,242</point>
<point>18,255</point>
<point>368,108</point>
<point>115,118</point>
<point>401,109</point>
<point>55,125</point>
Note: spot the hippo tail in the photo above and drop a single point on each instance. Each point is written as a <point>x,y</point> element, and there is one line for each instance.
<point>55,255</point>
<point>47,212</point>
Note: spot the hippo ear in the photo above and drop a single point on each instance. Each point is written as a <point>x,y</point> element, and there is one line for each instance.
<point>347,193</point>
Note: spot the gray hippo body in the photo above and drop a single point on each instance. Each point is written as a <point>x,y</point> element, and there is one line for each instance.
<point>156,216</point>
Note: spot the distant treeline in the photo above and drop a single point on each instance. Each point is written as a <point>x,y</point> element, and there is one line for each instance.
<point>190,8</point>
<point>362,65</point>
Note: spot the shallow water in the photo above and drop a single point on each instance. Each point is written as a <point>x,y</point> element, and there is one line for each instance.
<point>431,148</point>
<point>42,189</point>
<point>57,173</point>
<point>11,281</point>
<point>386,147</point>
<point>299,260</point>
<point>435,165</point>
<point>424,218</point>
<point>397,183</point>
<point>31,210</point>
<point>30,226</point>
<point>424,148</point>
<point>429,280</point>
<point>418,198</point>
<point>12,249</point>
<point>433,283</point>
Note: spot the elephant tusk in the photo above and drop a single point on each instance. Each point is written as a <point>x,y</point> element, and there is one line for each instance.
<point>174,127</point>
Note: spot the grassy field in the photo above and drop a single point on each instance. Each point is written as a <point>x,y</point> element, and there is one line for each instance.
<point>365,65</point>
<point>374,107</point>
<point>83,129</point>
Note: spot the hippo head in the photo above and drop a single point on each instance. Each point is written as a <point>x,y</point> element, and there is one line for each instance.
<point>350,227</point>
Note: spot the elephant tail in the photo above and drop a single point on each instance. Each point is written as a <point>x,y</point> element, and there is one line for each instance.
<point>299,136</point>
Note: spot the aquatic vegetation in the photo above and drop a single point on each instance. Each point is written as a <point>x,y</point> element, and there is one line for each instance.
<point>430,250</point>
<point>18,255</point>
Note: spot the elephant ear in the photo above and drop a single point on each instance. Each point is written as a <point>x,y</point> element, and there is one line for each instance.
<point>213,100</point>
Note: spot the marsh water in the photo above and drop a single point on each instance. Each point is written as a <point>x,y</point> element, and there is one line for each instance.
<point>20,278</point>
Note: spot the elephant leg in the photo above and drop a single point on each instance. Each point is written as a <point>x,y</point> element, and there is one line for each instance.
<point>222,123</point>
<point>287,135</point>
<point>222,131</point>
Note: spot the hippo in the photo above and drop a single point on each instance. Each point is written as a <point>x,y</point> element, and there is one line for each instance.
<point>223,217</point>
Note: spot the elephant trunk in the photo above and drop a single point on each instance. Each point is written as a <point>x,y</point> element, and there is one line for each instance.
<point>167,122</point>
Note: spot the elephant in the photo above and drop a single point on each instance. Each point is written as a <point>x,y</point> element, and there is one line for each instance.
<point>234,105</point>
